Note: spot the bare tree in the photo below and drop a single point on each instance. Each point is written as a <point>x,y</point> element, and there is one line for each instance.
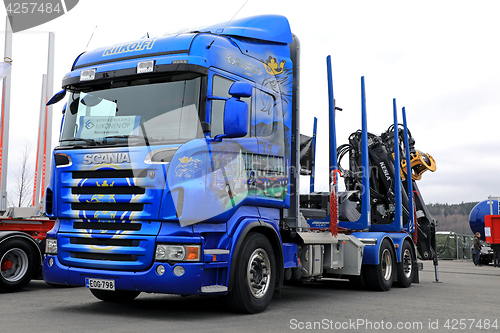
<point>23,189</point>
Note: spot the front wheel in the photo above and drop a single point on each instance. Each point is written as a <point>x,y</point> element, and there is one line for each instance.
<point>18,264</point>
<point>380,277</point>
<point>255,275</point>
<point>117,296</point>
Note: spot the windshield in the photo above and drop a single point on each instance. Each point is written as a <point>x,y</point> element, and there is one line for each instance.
<point>139,112</point>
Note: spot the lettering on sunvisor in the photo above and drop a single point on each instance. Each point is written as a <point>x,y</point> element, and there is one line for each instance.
<point>130,47</point>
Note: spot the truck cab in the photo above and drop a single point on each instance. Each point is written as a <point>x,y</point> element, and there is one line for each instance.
<point>172,150</point>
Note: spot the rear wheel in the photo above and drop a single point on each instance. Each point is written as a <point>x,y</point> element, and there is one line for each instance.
<point>117,296</point>
<point>18,264</point>
<point>405,267</point>
<point>254,277</point>
<point>380,277</point>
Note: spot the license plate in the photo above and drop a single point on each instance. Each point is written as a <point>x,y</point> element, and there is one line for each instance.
<point>100,284</point>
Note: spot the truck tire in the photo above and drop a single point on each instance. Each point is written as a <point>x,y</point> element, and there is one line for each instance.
<point>405,267</point>
<point>255,276</point>
<point>380,277</point>
<point>18,264</point>
<point>117,296</point>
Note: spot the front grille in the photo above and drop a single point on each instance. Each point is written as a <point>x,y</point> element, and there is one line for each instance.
<point>107,206</point>
<point>109,190</point>
<point>110,173</point>
<point>104,242</point>
<point>107,226</point>
<point>108,250</point>
<point>110,218</point>
<point>103,256</point>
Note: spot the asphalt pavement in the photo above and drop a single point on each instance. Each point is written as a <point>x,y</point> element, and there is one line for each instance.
<point>466,299</point>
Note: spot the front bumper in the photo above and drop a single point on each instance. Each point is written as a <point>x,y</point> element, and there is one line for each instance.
<point>189,283</point>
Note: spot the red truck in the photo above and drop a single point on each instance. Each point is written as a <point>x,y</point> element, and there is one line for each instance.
<point>22,245</point>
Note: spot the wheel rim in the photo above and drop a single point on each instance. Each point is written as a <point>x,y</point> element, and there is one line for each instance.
<point>14,265</point>
<point>407,263</point>
<point>259,273</point>
<point>386,264</point>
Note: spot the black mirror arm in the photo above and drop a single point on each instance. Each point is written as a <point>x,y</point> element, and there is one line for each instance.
<point>57,97</point>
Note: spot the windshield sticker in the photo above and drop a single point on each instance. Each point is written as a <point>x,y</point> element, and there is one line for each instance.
<point>93,127</point>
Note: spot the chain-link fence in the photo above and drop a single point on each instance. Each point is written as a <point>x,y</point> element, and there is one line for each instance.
<point>453,246</point>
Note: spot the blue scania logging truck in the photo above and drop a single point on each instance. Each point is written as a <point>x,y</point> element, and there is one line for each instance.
<point>178,172</point>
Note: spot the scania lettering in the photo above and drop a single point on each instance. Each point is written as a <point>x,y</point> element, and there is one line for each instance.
<point>106,158</point>
<point>198,193</point>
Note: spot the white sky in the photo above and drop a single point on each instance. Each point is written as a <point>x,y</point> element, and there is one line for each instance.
<point>440,59</point>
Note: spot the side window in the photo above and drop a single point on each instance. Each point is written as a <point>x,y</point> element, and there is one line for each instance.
<point>220,87</point>
<point>266,105</point>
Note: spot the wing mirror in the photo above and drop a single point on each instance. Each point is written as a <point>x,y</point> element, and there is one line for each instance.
<point>236,112</point>
<point>57,97</point>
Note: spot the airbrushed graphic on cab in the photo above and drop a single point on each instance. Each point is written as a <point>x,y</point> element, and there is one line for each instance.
<point>113,193</point>
<point>187,167</point>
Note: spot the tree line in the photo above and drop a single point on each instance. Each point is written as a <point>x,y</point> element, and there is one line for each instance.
<point>445,209</point>
<point>452,217</point>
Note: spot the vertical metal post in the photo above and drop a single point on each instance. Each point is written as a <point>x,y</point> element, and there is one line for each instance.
<point>291,214</point>
<point>331,109</point>
<point>397,170</point>
<point>412,225</point>
<point>5,120</point>
<point>364,222</point>
<point>40,152</point>
<point>470,247</point>
<point>365,181</point>
<point>311,179</point>
<point>48,118</point>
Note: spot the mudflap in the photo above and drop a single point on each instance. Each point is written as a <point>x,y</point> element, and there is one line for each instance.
<point>417,267</point>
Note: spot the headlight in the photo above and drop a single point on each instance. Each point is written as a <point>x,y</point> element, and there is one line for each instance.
<point>167,252</point>
<point>50,246</point>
